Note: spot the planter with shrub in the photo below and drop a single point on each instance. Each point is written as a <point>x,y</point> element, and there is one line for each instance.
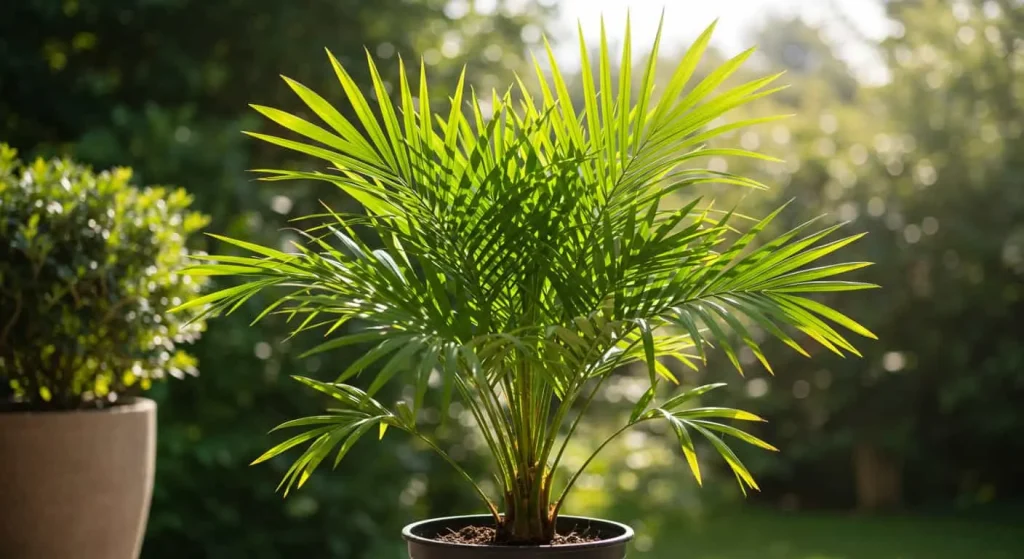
<point>89,267</point>
<point>517,251</point>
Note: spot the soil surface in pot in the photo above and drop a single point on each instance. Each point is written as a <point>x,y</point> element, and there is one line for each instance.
<point>487,535</point>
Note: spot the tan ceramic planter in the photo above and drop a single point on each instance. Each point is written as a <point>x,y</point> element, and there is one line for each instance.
<point>77,484</point>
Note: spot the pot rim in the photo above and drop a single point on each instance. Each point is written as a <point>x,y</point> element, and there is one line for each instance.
<point>135,404</point>
<point>627,534</point>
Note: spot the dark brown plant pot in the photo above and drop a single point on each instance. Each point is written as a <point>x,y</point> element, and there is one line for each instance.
<point>613,538</point>
<point>76,484</point>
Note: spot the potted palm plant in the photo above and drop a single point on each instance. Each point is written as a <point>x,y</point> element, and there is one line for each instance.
<point>514,253</point>
<point>89,267</point>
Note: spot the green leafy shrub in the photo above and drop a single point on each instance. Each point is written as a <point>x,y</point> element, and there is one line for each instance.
<point>88,270</point>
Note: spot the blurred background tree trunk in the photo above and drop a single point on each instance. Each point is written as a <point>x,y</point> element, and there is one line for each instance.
<point>879,478</point>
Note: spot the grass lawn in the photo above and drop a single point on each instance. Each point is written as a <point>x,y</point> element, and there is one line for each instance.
<point>761,534</point>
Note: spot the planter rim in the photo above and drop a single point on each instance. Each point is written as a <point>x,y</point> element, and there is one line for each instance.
<point>625,536</point>
<point>126,406</point>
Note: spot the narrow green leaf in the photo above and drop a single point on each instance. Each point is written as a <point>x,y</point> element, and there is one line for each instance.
<point>730,457</point>
<point>724,413</point>
<point>363,112</point>
<point>398,362</point>
<point>641,405</point>
<point>684,70</point>
<point>720,337</point>
<point>689,395</point>
<point>648,340</point>
<point>317,420</point>
<point>683,319</point>
<point>686,442</point>
<point>734,432</point>
<point>624,91</point>
<point>353,438</point>
<point>833,315</point>
<point>334,119</point>
<point>291,443</point>
<point>343,341</point>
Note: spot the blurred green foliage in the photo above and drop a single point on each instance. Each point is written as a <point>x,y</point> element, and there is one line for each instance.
<point>163,86</point>
<point>88,272</point>
<point>929,164</point>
